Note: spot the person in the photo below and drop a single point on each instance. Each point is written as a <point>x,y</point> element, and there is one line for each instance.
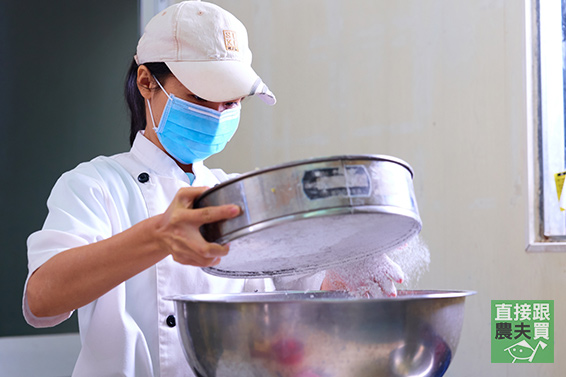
<point>121,234</point>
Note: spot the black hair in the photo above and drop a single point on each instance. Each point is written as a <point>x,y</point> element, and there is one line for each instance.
<point>135,101</point>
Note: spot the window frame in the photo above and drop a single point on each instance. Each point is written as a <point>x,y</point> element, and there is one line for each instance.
<point>545,112</point>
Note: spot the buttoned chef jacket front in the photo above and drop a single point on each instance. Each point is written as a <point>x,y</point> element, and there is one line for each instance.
<point>130,331</point>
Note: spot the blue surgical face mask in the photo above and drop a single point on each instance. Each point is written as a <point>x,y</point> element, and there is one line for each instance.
<point>192,133</point>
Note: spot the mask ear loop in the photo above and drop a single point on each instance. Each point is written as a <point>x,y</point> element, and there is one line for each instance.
<point>162,88</point>
<point>151,114</point>
<point>149,105</point>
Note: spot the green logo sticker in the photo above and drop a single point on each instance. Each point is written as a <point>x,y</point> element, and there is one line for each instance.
<point>522,331</point>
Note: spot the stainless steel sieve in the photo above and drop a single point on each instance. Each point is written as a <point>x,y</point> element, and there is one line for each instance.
<point>306,216</point>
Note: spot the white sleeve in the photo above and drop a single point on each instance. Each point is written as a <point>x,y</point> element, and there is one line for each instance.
<point>222,176</point>
<point>286,283</point>
<point>77,216</point>
<point>299,283</point>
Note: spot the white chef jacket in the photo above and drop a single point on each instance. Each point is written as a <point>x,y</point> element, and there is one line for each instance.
<point>128,331</point>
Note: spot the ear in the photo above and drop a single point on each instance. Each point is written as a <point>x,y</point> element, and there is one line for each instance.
<point>145,82</point>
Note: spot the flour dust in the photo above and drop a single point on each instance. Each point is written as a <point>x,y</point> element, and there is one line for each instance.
<point>381,274</point>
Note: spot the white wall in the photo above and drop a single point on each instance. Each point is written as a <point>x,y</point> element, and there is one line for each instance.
<point>440,84</point>
<point>39,355</point>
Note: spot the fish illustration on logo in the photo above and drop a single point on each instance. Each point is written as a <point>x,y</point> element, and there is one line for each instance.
<point>520,350</point>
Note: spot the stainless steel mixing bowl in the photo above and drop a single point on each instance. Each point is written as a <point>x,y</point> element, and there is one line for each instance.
<point>320,334</point>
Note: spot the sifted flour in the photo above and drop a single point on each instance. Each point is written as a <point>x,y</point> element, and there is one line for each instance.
<point>372,276</point>
<point>314,244</point>
<point>414,259</point>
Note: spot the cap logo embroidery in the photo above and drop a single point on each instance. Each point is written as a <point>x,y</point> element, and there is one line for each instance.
<point>230,40</point>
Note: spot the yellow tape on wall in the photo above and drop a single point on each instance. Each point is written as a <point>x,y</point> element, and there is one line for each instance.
<point>559,180</point>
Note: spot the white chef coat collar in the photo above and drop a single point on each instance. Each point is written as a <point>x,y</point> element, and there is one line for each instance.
<point>159,161</point>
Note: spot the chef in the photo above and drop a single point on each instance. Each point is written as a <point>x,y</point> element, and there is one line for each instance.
<point>121,233</point>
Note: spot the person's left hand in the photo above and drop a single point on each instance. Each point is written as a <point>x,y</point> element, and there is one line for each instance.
<point>372,277</point>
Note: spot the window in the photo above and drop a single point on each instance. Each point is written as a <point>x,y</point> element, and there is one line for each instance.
<point>547,222</point>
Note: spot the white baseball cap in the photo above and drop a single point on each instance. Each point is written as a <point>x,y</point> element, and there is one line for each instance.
<point>206,49</point>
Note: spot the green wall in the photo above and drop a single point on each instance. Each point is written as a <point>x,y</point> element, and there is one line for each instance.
<point>62,69</point>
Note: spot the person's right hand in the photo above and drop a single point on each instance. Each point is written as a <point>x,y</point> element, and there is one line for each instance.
<point>179,229</point>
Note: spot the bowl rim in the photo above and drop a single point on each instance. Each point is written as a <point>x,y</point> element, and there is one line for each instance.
<point>308,297</point>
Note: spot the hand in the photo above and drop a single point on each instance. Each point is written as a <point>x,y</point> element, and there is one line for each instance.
<point>179,229</point>
<point>371,277</point>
